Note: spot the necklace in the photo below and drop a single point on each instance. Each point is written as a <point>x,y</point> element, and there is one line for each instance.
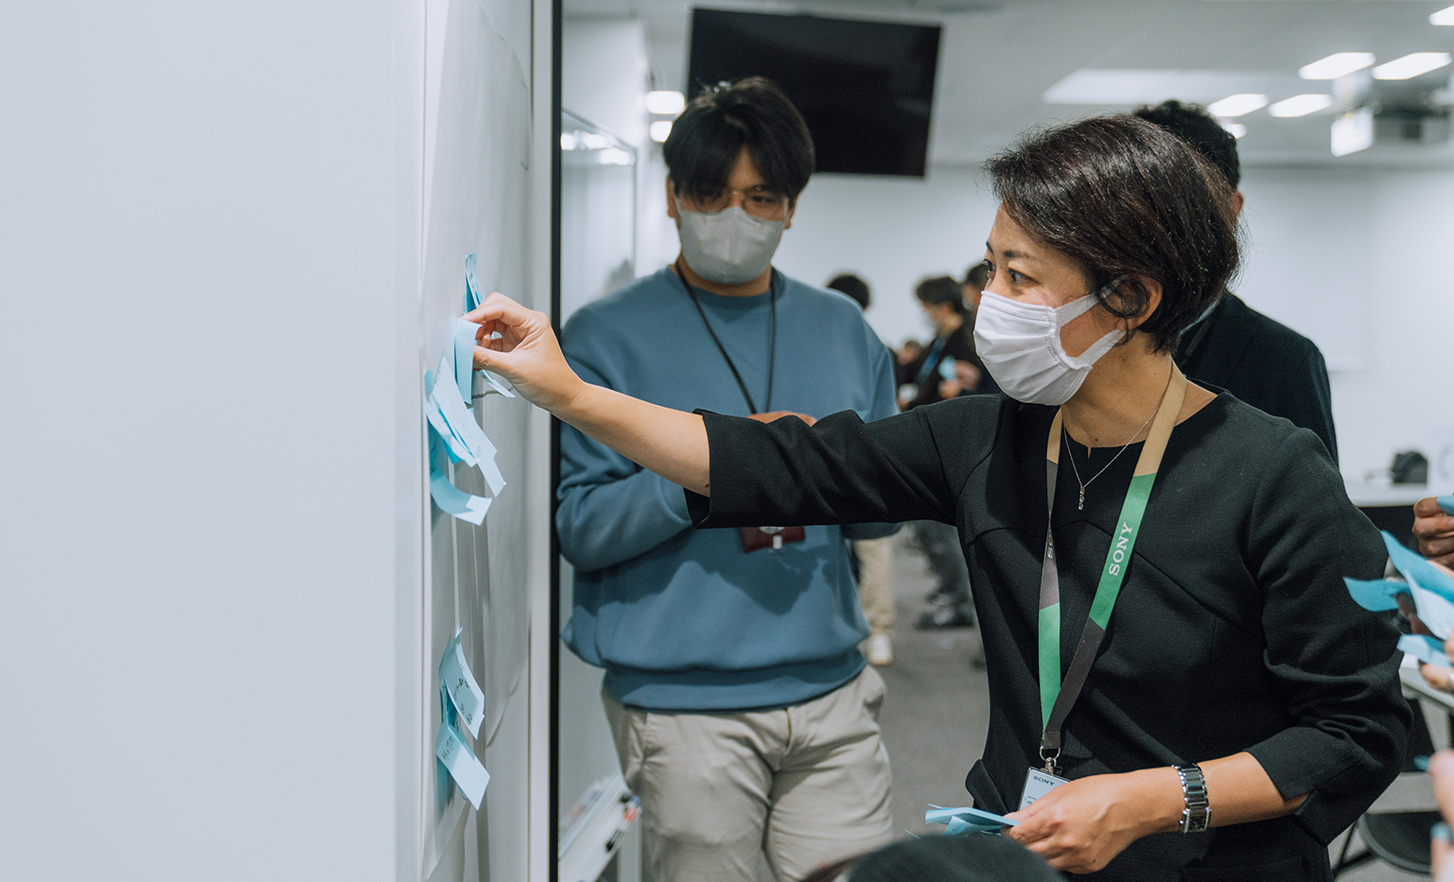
<point>1084,484</point>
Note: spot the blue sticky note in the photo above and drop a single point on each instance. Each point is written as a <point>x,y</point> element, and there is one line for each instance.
<point>1446,504</point>
<point>464,767</point>
<point>462,434</point>
<point>1377,595</point>
<point>472,296</point>
<point>454,501</point>
<point>498,384</point>
<point>966,820</point>
<point>436,397</point>
<point>1429,650</point>
<point>463,356</point>
<point>460,685</point>
<point>1417,570</point>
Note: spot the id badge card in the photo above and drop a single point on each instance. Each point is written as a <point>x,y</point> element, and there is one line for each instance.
<point>1039,782</point>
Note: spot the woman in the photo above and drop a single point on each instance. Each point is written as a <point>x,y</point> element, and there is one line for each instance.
<point>1227,686</point>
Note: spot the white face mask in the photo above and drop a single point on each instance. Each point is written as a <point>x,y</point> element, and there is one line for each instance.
<point>730,246</point>
<point>1020,346</point>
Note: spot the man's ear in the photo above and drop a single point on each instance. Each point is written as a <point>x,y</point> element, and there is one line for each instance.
<point>1237,201</point>
<point>792,208</point>
<point>671,200</point>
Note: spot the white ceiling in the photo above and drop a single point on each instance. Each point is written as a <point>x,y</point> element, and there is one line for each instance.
<point>998,59</point>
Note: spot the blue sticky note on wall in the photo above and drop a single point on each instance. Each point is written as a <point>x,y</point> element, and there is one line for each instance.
<point>464,767</point>
<point>459,683</point>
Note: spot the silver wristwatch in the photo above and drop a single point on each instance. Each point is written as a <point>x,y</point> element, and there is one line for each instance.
<point>1197,816</point>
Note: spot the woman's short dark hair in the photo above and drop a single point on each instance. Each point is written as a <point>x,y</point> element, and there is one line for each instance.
<point>1126,200</point>
<point>753,113</point>
<point>941,289</point>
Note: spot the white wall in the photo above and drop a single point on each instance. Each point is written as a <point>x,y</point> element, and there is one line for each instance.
<point>1357,260</point>
<point>207,242</point>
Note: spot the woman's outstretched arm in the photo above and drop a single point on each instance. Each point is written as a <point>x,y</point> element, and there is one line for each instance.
<point>519,345</point>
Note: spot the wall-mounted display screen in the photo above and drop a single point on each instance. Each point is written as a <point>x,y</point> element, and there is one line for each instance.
<point>864,87</point>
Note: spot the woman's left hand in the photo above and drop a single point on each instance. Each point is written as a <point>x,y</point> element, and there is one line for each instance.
<point>1080,825</point>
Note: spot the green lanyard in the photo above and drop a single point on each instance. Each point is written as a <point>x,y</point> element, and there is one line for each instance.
<point>1057,696</point>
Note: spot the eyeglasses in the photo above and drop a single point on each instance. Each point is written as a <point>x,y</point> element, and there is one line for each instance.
<point>758,202</point>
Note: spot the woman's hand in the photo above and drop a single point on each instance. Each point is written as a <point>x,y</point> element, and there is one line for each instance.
<point>1080,825</point>
<point>519,345</point>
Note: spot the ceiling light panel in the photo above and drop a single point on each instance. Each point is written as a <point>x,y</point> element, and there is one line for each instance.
<point>1336,65</point>
<point>665,103</point>
<point>1237,130</point>
<point>1237,105</point>
<point>1443,17</point>
<point>1300,105</point>
<point>1411,65</point>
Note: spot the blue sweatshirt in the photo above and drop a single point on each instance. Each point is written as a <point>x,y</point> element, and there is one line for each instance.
<point>684,619</point>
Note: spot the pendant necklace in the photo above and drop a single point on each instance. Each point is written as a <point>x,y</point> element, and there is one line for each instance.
<point>1084,484</point>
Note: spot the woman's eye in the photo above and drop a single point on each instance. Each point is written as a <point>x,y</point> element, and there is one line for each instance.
<point>1016,277</point>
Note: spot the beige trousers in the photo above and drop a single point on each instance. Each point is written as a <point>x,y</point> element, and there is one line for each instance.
<point>802,785</point>
<point>876,582</point>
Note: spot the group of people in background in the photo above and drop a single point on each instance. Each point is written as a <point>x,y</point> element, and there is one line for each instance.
<point>1072,389</point>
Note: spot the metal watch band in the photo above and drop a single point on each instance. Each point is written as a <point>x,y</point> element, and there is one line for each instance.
<point>1197,816</point>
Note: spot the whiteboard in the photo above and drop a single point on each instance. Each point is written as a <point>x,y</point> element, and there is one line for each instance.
<point>476,199</point>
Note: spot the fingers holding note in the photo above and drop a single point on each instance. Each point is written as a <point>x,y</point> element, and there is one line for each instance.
<point>519,344</point>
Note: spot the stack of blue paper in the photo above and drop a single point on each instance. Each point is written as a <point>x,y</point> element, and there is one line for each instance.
<point>966,820</point>
<point>1429,586</point>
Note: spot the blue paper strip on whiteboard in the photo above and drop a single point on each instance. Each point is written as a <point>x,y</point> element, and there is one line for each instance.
<point>472,295</point>
<point>454,501</point>
<point>459,683</point>
<point>462,435</point>
<point>464,767</point>
<point>464,356</point>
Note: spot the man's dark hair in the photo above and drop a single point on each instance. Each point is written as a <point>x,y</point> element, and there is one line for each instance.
<point>978,275</point>
<point>1193,124</point>
<point>941,289</point>
<point>853,286</point>
<point>753,113</point>
<point>1126,200</point>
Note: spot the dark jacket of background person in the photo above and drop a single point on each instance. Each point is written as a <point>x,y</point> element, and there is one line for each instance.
<point>1263,362</point>
<point>959,345</point>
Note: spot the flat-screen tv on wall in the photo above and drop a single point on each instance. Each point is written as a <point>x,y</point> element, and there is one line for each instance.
<point>864,87</point>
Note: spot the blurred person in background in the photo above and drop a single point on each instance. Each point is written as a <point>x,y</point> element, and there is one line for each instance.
<point>1261,361</point>
<point>875,557</point>
<point>931,374</point>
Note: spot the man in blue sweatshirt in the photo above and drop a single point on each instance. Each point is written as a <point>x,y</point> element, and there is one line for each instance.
<point>743,713</point>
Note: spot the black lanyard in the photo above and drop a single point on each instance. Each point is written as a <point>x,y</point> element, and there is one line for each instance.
<point>771,339</point>
<point>1057,696</point>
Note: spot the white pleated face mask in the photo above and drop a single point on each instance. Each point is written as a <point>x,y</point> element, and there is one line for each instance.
<point>730,246</point>
<point>1019,344</point>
